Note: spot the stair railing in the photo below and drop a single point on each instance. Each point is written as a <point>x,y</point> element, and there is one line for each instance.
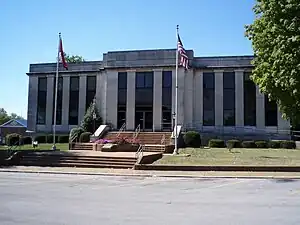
<point>162,142</point>
<point>140,152</point>
<point>137,131</point>
<point>123,127</point>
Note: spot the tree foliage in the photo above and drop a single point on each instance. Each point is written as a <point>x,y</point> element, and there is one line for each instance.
<point>275,36</point>
<point>91,120</point>
<point>73,58</point>
<point>4,116</point>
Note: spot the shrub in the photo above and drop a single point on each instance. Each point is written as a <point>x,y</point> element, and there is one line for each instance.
<point>50,139</point>
<point>261,144</point>
<point>75,134</point>
<point>85,137</point>
<point>13,139</point>
<point>192,139</point>
<point>63,139</point>
<point>288,144</point>
<point>248,144</point>
<point>216,143</point>
<point>274,144</point>
<point>233,144</point>
<point>27,140</point>
<point>40,139</point>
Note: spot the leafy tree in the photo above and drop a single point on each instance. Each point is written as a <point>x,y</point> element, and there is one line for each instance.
<point>275,36</point>
<point>4,116</point>
<point>91,120</point>
<point>73,58</point>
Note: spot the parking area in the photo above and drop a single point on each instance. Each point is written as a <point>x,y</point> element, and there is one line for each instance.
<point>37,199</point>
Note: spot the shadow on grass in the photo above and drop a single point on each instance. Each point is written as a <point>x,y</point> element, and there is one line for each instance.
<point>285,180</point>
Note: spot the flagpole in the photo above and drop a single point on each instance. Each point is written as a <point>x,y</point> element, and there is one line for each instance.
<point>56,90</point>
<point>176,94</point>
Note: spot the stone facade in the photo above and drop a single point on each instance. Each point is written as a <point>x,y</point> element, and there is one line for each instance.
<point>190,90</point>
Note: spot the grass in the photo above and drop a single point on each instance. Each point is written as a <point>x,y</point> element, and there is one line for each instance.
<point>62,147</point>
<point>222,156</point>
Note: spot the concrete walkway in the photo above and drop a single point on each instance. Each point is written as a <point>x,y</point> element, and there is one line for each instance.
<point>143,173</point>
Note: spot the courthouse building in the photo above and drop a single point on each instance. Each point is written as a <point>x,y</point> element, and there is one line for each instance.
<point>138,88</point>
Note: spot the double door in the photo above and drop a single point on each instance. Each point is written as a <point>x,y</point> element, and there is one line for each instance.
<point>144,119</point>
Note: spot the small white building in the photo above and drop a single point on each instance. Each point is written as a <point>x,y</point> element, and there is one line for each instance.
<point>138,88</point>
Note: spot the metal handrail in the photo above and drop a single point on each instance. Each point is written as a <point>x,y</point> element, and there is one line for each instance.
<point>162,142</point>
<point>140,152</point>
<point>137,131</point>
<point>123,127</point>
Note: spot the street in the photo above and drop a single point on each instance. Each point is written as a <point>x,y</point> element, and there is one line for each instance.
<point>36,199</point>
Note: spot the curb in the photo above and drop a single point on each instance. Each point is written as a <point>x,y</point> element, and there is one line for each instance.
<point>150,175</point>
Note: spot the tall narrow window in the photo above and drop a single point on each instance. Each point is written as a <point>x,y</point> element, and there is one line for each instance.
<point>122,98</point>
<point>271,118</point>
<point>59,100</point>
<point>208,99</point>
<point>73,101</point>
<point>91,85</point>
<point>41,100</point>
<point>249,101</point>
<point>229,99</point>
<point>167,100</point>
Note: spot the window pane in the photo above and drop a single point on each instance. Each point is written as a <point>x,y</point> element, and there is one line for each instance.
<point>122,80</point>
<point>122,96</point>
<point>229,118</point>
<point>209,80</point>
<point>167,97</point>
<point>149,80</point>
<point>167,79</point>
<point>208,99</point>
<point>271,118</point>
<point>140,80</point>
<point>249,101</point>
<point>208,118</point>
<point>144,97</point>
<point>42,84</point>
<point>74,84</point>
<point>229,99</point>
<point>91,83</point>
<point>229,80</point>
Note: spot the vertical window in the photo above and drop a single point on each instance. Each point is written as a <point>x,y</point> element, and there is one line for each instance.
<point>74,100</point>
<point>41,100</point>
<point>122,98</point>
<point>144,89</point>
<point>271,118</point>
<point>249,101</point>
<point>208,99</point>
<point>91,86</point>
<point>167,100</point>
<point>229,99</point>
<point>59,100</point>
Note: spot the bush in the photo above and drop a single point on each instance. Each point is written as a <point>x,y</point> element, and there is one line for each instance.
<point>40,139</point>
<point>288,144</point>
<point>274,144</point>
<point>248,144</point>
<point>13,139</point>
<point>216,143</point>
<point>27,140</point>
<point>63,139</point>
<point>75,134</point>
<point>50,139</point>
<point>261,144</point>
<point>233,144</point>
<point>85,137</point>
<point>192,139</point>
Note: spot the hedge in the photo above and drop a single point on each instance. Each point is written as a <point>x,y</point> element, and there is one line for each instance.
<point>75,134</point>
<point>233,144</point>
<point>192,139</point>
<point>13,139</point>
<point>248,144</point>
<point>261,144</point>
<point>40,139</point>
<point>274,144</point>
<point>27,140</point>
<point>216,143</point>
<point>63,139</point>
<point>85,137</point>
<point>288,144</point>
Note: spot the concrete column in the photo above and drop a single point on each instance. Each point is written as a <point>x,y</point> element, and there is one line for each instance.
<point>50,106</point>
<point>65,100</point>
<point>101,95</point>
<point>198,100</point>
<point>32,102</point>
<point>260,110</point>
<point>112,97</point>
<point>218,97</point>
<point>82,97</point>
<point>130,106</point>
<point>239,98</point>
<point>188,99</point>
<point>157,100</point>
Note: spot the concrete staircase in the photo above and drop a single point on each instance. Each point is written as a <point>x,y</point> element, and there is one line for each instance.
<point>82,146</point>
<point>60,159</point>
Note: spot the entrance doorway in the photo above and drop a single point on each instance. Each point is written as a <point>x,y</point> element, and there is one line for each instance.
<point>144,119</point>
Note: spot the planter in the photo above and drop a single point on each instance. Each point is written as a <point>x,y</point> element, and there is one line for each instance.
<point>122,148</point>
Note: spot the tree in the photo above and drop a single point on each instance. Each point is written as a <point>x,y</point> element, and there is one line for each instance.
<point>73,58</point>
<point>275,36</point>
<point>91,120</point>
<point>4,116</point>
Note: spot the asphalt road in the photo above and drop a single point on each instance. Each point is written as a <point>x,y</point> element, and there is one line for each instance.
<point>36,199</point>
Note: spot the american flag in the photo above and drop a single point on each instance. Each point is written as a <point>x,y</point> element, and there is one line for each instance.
<point>184,60</point>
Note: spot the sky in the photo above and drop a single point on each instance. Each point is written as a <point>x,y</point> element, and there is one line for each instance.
<point>29,33</point>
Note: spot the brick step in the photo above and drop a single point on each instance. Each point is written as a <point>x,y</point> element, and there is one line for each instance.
<point>78,157</point>
<point>100,160</point>
<point>34,161</point>
<point>83,165</point>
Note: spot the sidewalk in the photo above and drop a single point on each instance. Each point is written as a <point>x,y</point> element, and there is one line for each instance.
<point>144,173</point>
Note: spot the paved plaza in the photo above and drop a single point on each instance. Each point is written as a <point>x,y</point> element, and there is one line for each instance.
<point>36,199</point>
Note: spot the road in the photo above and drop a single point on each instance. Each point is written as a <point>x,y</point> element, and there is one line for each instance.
<point>36,199</point>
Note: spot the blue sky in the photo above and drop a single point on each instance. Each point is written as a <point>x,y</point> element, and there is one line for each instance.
<point>29,32</point>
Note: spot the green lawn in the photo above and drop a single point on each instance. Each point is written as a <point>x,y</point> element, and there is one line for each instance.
<point>216,156</point>
<point>62,147</point>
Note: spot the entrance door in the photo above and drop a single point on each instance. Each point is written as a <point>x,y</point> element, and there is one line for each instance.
<point>144,119</point>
